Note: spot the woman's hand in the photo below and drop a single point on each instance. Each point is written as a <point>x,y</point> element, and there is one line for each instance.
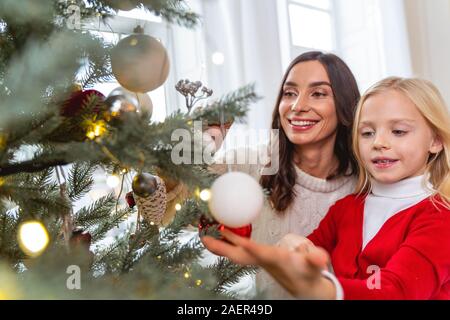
<point>298,272</point>
<point>216,134</point>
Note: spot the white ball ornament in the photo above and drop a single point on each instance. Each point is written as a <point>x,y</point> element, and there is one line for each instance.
<point>236,199</point>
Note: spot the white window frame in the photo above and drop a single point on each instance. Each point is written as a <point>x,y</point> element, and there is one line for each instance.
<point>288,50</point>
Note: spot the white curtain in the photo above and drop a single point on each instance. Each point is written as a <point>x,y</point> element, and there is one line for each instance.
<point>373,39</point>
<point>429,35</point>
<point>246,32</point>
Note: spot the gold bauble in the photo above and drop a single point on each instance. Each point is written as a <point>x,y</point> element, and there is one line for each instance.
<point>140,63</point>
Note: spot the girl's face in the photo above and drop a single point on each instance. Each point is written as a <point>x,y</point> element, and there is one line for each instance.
<point>307,110</point>
<point>394,139</point>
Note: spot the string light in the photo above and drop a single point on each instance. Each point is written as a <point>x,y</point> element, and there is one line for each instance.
<point>90,135</point>
<point>177,206</point>
<point>205,194</point>
<point>113,181</point>
<point>33,238</point>
<point>198,282</point>
<point>95,129</point>
<point>187,275</point>
<point>133,42</point>
<point>218,58</point>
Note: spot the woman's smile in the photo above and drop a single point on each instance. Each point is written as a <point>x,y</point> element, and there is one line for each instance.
<point>298,124</point>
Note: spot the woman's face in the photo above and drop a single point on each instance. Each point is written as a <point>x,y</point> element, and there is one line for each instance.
<point>307,109</point>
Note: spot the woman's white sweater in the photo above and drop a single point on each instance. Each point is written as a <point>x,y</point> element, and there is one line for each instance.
<point>313,198</point>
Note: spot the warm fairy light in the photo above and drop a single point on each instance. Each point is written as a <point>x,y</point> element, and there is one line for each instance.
<point>33,238</point>
<point>205,194</point>
<point>95,129</point>
<point>133,42</point>
<point>159,257</point>
<point>198,282</point>
<point>90,135</point>
<point>113,181</point>
<point>187,275</point>
<point>124,170</point>
<point>178,207</point>
<point>218,58</point>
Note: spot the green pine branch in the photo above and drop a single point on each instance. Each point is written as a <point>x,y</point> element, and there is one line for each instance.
<point>99,232</point>
<point>80,180</point>
<point>233,106</point>
<point>88,217</point>
<point>229,273</point>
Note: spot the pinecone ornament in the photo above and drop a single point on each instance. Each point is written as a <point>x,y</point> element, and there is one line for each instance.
<point>153,205</point>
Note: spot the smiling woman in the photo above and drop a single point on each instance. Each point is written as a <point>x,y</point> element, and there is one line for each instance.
<point>314,115</point>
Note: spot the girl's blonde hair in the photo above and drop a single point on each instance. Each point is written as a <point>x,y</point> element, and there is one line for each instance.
<point>431,105</point>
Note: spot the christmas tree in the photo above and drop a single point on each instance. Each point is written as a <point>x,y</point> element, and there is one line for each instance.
<point>56,132</point>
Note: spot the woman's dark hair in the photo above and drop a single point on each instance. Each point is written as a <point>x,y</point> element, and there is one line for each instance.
<point>346,96</point>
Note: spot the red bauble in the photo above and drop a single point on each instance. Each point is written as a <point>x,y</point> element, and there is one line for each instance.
<point>79,244</point>
<point>80,238</point>
<point>130,199</point>
<point>77,100</point>
<point>245,231</point>
<point>205,223</point>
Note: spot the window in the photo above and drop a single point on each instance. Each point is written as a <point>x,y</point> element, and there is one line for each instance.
<point>310,27</point>
<point>306,25</point>
<point>140,14</point>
